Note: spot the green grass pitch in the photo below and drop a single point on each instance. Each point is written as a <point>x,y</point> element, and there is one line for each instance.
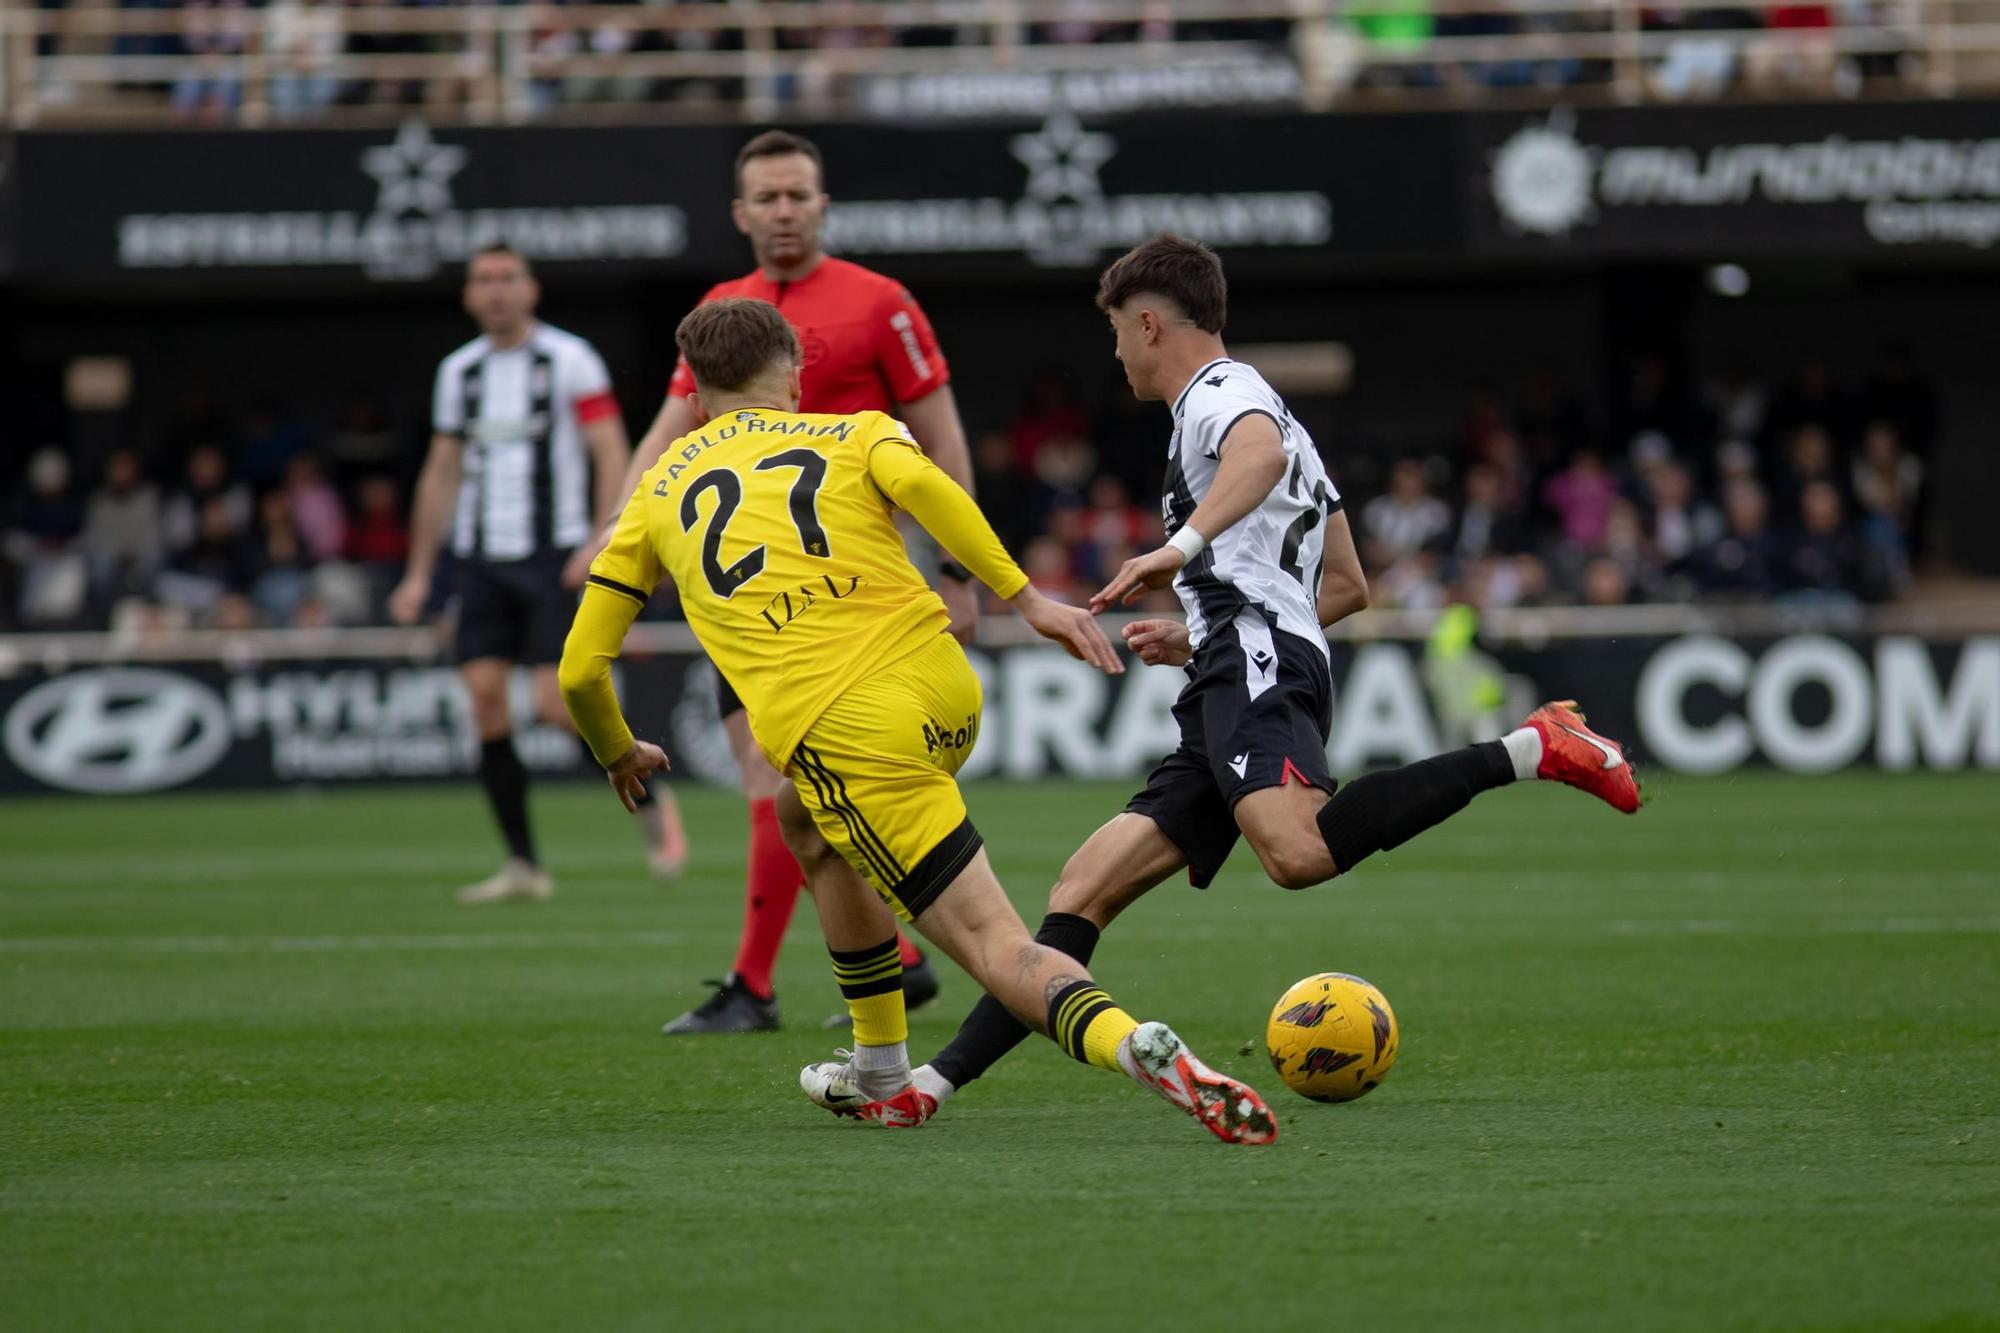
<point>1733,1063</point>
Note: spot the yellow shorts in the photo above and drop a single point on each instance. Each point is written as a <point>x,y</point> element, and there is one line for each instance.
<point>876,770</point>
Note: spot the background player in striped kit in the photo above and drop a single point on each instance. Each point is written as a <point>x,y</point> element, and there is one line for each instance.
<point>527,452</point>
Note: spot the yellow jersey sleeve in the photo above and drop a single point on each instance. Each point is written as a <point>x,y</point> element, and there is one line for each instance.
<point>629,565</point>
<point>595,638</point>
<point>919,487</point>
<point>621,579</point>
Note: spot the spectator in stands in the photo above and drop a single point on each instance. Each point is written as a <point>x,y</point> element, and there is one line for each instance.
<point>1681,524</point>
<point>1580,498</point>
<point>1808,458</point>
<point>43,523</point>
<point>1605,583</point>
<point>1046,563</point>
<point>316,511</point>
<point>124,529</point>
<point>213,33</point>
<point>1702,59</point>
<point>1489,522</point>
<point>1822,558</point>
<point>1734,401</point>
<point>1550,419</point>
<point>1886,483</point>
<point>302,39</point>
<point>1799,52</point>
<point>218,563</point>
<point>379,535</point>
<point>282,564</point>
<point>1653,399</point>
<point>1744,563</point>
<point>208,479</point>
<point>1406,520</point>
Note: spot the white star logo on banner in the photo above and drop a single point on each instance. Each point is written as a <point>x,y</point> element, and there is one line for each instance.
<point>1062,159</point>
<point>414,172</point>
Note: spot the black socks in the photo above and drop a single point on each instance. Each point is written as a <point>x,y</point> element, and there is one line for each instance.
<point>1378,811</point>
<point>506,783</point>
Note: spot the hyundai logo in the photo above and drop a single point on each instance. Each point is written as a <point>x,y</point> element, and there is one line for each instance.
<point>116,730</point>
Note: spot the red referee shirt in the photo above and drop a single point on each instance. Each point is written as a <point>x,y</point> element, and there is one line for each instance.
<point>867,344</point>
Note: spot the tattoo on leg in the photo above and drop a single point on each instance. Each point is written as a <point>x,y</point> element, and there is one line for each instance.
<point>1058,984</point>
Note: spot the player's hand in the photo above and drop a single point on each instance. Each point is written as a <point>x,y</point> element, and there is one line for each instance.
<point>962,601</point>
<point>406,603</point>
<point>1155,569</point>
<point>628,774</point>
<point>1070,626</point>
<point>1159,642</point>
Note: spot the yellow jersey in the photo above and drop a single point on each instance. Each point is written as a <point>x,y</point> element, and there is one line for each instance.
<point>778,529</point>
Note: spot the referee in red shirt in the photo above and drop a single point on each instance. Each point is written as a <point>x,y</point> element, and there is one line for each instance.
<point>867,347</point>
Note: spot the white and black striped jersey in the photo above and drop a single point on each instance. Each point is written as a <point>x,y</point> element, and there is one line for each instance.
<point>521,412</point>
<point>1270,559</point>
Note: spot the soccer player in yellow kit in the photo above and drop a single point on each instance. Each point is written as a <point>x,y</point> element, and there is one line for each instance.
<point>777,528</point>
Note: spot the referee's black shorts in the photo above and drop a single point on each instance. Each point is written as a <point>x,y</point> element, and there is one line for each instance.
<point>1255,714</point>
<point>514,609</point>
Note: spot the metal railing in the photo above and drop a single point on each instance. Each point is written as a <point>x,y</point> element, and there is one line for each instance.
<point>309,61</point>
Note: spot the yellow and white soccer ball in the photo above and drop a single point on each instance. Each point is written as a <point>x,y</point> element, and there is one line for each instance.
<point>1332,1037</point>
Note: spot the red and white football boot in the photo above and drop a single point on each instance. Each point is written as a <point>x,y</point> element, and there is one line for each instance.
<point>1230,1110</point>
<point>1574,754</point>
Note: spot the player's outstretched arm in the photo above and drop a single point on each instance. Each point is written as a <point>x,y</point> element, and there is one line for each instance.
<point>437,491</point>
<point>595,639</point>
<point>917,486</point>
<point>1253,462</point>
<point>1343,588</point>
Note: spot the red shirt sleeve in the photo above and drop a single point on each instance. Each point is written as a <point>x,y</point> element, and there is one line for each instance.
<point>906,349</point>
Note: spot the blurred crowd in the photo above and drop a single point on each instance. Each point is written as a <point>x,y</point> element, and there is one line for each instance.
<point>218,524</point>
<point>1700,51</point>
<point>1802,489</point>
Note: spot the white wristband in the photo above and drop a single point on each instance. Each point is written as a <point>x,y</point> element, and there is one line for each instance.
<point>1188,542</point>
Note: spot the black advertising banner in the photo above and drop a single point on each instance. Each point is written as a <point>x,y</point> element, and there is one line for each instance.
<point>10,218</point>
<point>360,208</point>
<point>1697,703</point>
<point>1280,193</point>
<point>1845,180</point>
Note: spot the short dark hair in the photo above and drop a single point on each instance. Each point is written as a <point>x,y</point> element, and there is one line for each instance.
<point>1185,272</point>
<point>776,143</point>
<point>729,343</point>
<point>499,248</point>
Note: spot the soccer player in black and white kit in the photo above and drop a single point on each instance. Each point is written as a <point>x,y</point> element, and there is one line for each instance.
<point>526,461</point>
<point>1261,557</point>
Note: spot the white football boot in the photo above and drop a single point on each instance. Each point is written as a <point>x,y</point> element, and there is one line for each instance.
<point>1230,1110</point>
<point>515,881</point>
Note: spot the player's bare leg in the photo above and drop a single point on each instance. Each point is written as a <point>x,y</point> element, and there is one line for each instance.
<point>1113,869</point>
<point>977,927</point>
<point>501,773</point>
<point>658,816</point>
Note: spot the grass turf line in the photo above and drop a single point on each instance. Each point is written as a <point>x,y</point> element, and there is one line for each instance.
<point>1725,1064</point>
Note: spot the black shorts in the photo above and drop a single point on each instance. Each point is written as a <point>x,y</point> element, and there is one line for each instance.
<point>1255,714</point>
<point>514,609</point>
<point>726,701</point>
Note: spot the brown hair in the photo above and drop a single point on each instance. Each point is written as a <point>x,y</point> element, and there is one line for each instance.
<point>776,143</point>
<point>729,343</point>
<point>1185,272</point>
